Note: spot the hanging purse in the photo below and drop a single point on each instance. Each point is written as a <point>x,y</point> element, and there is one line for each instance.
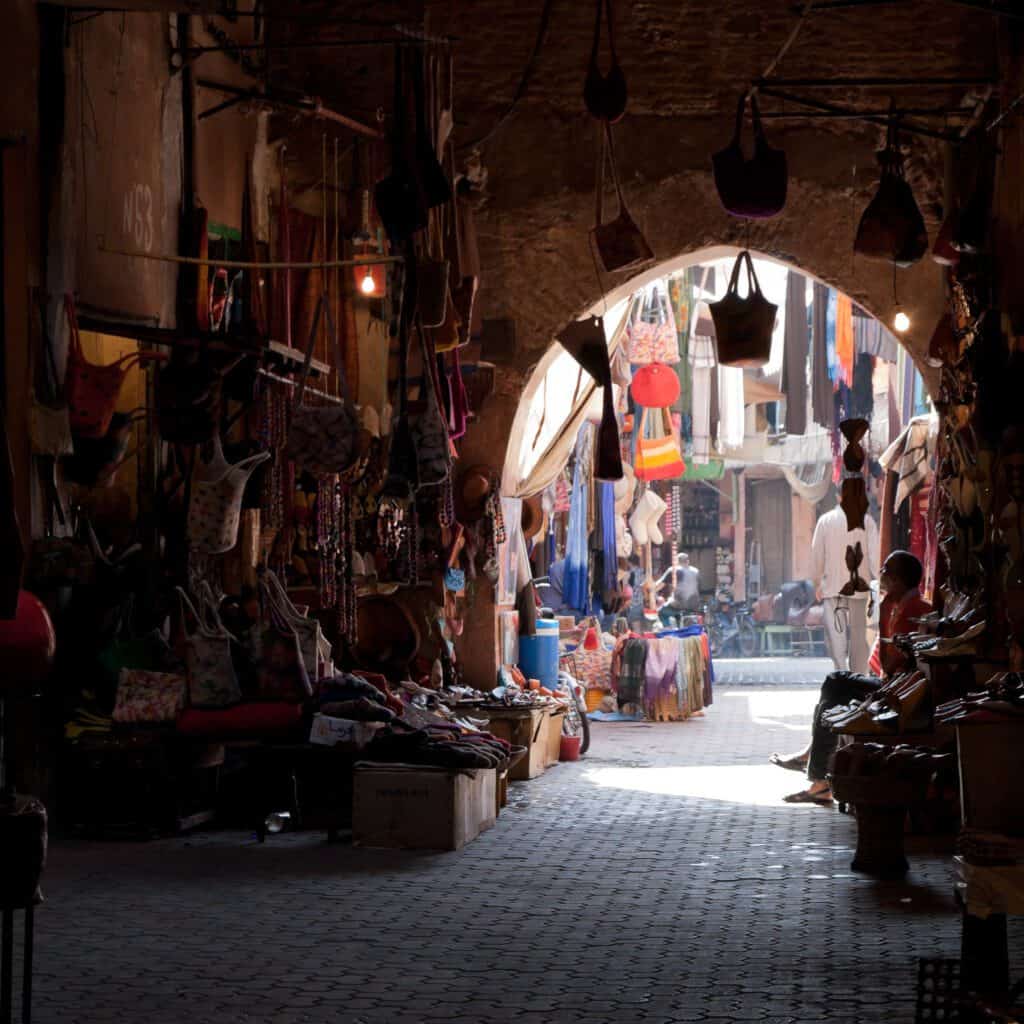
<point>215,505</point>
<point>212,681</point>
<point>282,674</point>
<point>651,332</point>
<point>754,188</point>
<point>892,228</point>
<point>605,95</point>
<point>92,390</point>
<point>148,697</point>
<point>655,386</point>
<point>620,243</point>
<point>323,440</point>
<point>743,326</point>
<point>658,458</point>
<point>315,647</point>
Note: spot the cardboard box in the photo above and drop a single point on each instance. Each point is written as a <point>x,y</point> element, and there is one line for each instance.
<point>553,735</point>
<point>523,727</point>
<point>414,807</point>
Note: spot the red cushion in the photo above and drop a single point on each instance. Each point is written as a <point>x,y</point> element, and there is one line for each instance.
<point>256,719</point>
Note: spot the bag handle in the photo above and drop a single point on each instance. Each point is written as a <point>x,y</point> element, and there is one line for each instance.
<point>753,286</point>
<point>755,117</point>
<point>323,306</point>
<point>603,7</point>
<point>741,108</point>
<point>51,361</point>
<point>75,340</point>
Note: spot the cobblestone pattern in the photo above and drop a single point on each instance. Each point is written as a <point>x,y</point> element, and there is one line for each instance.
<point>772,671</point>
<point>658,879</point>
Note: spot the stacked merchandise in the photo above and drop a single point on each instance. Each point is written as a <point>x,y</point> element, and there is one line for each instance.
<point>723,569</point>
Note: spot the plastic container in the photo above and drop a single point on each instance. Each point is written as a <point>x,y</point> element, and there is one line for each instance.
<point>570,748</point>
<point>538,655</point>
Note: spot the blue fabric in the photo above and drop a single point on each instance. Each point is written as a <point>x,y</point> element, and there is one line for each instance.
<point>614,716</point>
<point>610,559</point>
<point>576,586</point>
<point>830,335</point>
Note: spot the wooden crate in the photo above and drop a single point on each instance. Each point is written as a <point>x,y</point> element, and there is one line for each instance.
<point>522,727</point>
<point>553,727</point>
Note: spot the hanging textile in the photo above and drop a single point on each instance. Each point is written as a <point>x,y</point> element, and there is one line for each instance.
<point>713,469</point>
<point>821,383</point>
<point>830,336</point>
<point>632,678</point>
<point>576,584</point>
<point>844,339</point>
<point>680,293</point>
<point>702,360</point>
<point>871,337</point>
<point>794,356</point>
<point>862,394</point>
<point>732,413</point>
<point>608,553</point>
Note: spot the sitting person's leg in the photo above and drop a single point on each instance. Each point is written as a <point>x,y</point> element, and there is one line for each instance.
<point>839,688</point>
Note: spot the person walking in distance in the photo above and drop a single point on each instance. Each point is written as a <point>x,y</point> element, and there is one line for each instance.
<point>846,618</point>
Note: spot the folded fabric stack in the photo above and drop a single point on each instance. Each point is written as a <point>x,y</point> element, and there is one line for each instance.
<point>440,746</point>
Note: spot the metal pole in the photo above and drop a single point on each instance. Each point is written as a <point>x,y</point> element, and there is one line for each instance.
<point>872,83</point>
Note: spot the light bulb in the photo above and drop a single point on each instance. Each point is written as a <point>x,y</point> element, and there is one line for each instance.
<point>367,286</point>
<point>901,321</point>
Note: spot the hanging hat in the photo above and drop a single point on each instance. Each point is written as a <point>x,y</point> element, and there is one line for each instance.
<point>472,492</point>
<point>533,516</point>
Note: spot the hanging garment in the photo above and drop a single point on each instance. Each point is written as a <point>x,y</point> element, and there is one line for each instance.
<point>871,337</point>
<point>702,362</point>
<point>821,382</point>
<point>632,675</point>
<point>609,563</point>
<point>576,585</point>
<point>795,353</point>
<point>216,504</point>
<point>660,669</point>
<point>844,339</point>
<point>680,293</point>
<point>732,421</point>
<point>862,394</point>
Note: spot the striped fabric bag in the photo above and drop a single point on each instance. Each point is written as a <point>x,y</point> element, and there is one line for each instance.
<point>658,457</point>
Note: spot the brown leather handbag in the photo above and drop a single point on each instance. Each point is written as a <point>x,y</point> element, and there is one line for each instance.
<point>620,243</point>
<point>743,325</point>
<point>755,187</point>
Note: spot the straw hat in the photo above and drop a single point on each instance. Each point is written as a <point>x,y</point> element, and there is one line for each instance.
<point>532,516</point>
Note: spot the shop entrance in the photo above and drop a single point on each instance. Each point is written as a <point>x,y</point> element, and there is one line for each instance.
<point>709,537</point>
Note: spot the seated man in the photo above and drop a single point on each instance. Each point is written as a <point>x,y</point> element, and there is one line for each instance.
<point>901,608</point>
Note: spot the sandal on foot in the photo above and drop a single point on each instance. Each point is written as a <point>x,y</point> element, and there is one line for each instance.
<point>823,798</point>
<point>793,764</point>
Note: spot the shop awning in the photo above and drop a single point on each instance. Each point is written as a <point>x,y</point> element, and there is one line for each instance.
<point>757,390</point>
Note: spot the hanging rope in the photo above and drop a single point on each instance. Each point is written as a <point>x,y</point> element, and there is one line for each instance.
<point>784,49</point>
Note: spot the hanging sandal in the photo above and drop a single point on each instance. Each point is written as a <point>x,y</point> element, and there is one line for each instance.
<point>823,798</point>
<point>793,764</point>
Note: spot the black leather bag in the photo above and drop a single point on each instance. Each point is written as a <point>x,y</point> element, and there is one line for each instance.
<point>605,95</point>
<point>892,228</point>
<point>757,187</point>
<point>743,325</point>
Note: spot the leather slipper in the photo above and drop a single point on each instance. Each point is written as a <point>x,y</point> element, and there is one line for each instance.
<point>793,764</point>
<point>805,796</point>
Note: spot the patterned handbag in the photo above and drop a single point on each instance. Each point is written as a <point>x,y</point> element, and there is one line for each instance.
<point>215,506</point>
<point>651,332</point>
<point>658,458</point>
<point>429,430</point>
<point>152,697</point>
<point>315,647</point>
<point>323,440</point>
<point>283,675</point>
<point>212,682</point>
<point>92,390</point>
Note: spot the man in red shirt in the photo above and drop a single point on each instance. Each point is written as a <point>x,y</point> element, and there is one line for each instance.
<point>902,607</point>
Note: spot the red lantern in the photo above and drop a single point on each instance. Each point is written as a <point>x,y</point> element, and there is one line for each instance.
<point>655,386</point>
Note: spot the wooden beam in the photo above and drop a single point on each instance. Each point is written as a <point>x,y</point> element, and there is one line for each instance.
<point>147,6</point>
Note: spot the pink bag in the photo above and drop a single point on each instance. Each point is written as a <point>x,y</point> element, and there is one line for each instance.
<point>651,332</point>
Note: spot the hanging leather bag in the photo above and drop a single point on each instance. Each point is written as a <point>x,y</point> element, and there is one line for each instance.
<point>620,243</point>
<point>605,95</point>
<point>743,324</point>
<point>429,430</point>
<point>754,188</point>
<point>892,228</point>
<point>323,440</point>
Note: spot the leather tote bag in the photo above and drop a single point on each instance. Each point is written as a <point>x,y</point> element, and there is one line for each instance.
<point>743,324</point>
<point>324,440</point>
<point>620,243</point>
<point>754,188</point>
<point>892,228</point>
<point>605,95</point>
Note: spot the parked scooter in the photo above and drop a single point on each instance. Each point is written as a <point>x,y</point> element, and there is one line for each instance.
<point>730,627</point>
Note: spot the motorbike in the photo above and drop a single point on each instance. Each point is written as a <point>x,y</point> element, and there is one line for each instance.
<point>730,627</point>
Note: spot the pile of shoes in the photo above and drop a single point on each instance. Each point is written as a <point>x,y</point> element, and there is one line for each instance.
<point>877,760</point>
<point>1001,701</point>
<point>956,639</point>
<point>903,704</point>
<point>439,746</point>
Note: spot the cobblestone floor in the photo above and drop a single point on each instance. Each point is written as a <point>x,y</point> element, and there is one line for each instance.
<point>658,879</point>
<point>772,671</point>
